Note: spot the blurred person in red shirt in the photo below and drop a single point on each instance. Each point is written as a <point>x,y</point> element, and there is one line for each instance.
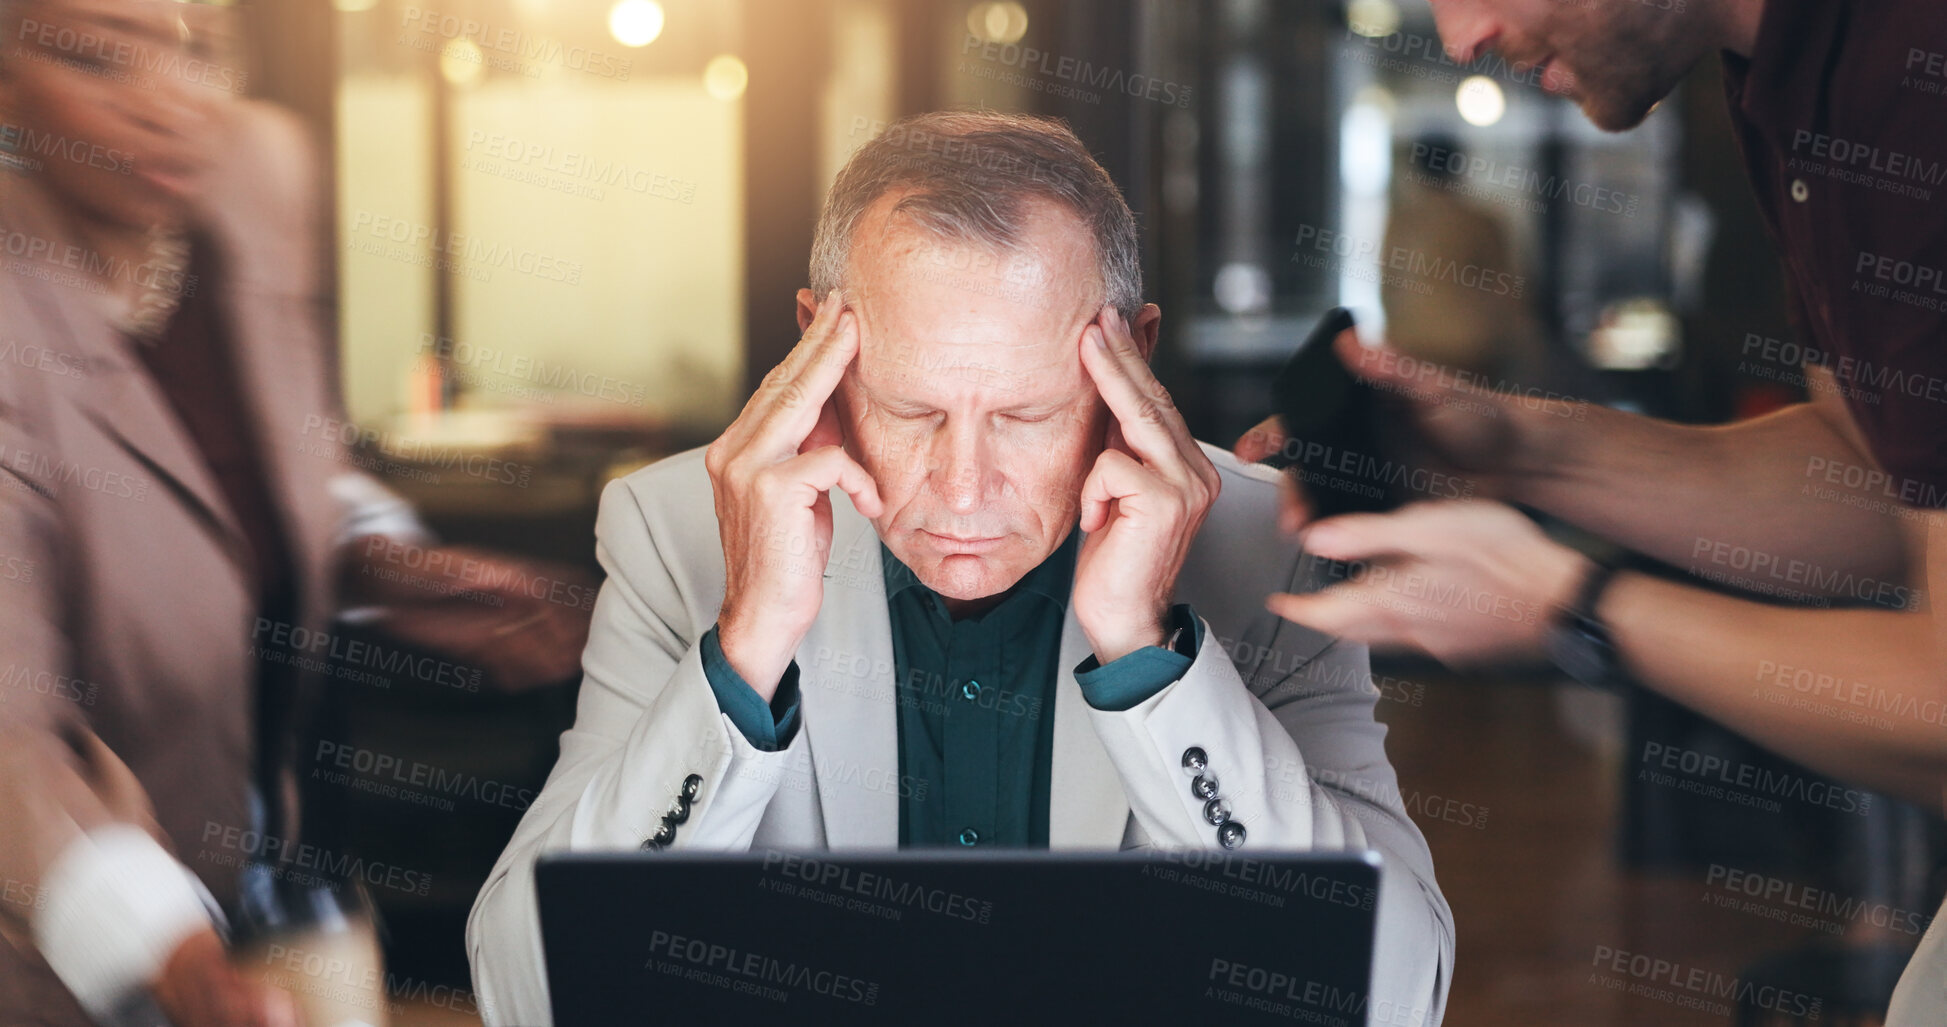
<point>1838,110</point>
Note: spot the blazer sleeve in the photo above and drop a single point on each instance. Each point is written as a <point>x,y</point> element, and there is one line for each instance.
<point>1301,762</point>
<point>94,886</point>
<point>647,731</point>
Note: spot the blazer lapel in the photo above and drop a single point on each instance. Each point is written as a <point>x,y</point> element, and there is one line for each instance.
<point>121,399</point>
<point>117,393</point>
<point>1087,808</point>
<point>847,691</point>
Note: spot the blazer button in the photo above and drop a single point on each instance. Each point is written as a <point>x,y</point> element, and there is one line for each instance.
<point>1231,834</point>
<point>692,785</point>
<point>1217,811</point>
<point>679,813</point>
<point>1204,787</point>
<point>663,836</point>
<point>1194,760</point>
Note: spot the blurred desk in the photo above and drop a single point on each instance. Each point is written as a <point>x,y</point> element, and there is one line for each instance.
<point>425,1014</point>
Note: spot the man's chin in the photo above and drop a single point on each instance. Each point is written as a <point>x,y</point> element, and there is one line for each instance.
<point>966,577</point>
<point>1614,114</point>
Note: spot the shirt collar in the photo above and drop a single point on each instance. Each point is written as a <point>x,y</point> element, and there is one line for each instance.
<point>1051,579</point>
<point>1789,66</point>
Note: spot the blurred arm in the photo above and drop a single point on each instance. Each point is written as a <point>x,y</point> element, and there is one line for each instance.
<point>109,902</point>
<point>1858,694</point>
<point>1676,491</point>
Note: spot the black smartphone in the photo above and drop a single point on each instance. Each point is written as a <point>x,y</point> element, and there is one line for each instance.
<point>1338,429</point>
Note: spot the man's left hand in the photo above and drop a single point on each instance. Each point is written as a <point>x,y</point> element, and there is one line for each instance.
<point>1141,504</point>
<point>1465,581</point>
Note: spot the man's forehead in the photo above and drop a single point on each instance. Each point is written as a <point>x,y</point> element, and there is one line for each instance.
<point>898,369</point>
<point>941,317</point>
<point>1050,260</point>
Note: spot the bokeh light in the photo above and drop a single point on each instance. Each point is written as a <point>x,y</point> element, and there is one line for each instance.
<point>635,22</point>
<point>998,22</point>
<point>725,77</point>
<point>1480,100</point>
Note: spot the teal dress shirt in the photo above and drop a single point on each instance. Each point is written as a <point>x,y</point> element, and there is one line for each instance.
<point>976,701</point>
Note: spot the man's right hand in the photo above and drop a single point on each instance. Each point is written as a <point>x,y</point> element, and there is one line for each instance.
<point>1460,426</point>
<point>200,987</point>
<point>770,472</point>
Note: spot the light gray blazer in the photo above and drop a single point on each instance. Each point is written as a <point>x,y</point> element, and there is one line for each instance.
<point>1284,713</point>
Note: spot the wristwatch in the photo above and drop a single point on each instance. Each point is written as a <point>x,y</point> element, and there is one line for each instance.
<point>1580,643</point>
<point>1183,632</point>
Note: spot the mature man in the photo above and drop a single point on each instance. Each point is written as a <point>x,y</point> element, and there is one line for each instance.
<point>1838,109</point>
<point>1006,627</point>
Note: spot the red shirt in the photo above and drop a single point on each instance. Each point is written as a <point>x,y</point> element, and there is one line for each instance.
<point>1841,113</point>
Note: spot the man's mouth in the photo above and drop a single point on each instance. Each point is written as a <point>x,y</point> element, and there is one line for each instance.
<point>962,543</point>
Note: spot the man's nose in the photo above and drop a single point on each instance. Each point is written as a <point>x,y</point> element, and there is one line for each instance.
<point>960,469</point>
<point>1466,28</point>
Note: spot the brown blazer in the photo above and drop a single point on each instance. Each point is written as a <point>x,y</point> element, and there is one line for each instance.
<point>126,609</point>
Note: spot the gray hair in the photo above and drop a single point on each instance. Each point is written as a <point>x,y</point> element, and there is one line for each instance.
<point>967,177</point>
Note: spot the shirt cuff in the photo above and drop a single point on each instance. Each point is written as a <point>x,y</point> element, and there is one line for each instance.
<point>1127,681</point>
<point>372,509</point>
<point>117,905</point>
<point>766,728</point>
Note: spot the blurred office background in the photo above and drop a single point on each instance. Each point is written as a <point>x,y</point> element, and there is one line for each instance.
<point>568,235</point>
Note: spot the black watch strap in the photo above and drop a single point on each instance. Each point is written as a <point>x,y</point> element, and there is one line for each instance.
<point>1590,593</point>
<point>1578,641</point>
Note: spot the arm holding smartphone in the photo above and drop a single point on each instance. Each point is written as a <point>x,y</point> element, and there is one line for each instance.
<point>1662,489</point>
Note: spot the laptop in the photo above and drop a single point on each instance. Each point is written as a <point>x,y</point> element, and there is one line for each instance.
<point>922,938</point>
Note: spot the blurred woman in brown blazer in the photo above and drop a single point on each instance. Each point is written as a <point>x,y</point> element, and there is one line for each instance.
<point>161,501</point>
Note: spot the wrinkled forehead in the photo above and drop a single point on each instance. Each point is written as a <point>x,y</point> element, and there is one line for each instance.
<point>942,317</point>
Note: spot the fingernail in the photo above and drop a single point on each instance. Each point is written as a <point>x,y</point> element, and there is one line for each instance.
<point>1096,334</point>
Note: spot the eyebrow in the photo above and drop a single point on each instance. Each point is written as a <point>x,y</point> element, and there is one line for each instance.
<point>908,404</point>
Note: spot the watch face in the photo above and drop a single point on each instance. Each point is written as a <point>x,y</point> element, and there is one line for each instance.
<point>1581,648</point>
